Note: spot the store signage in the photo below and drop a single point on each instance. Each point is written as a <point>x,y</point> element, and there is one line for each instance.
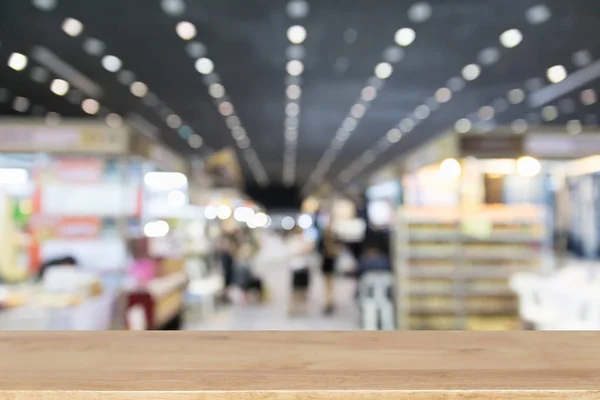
<point>61,139</point>
<point>79,170</point>
<point>562,146</point>
<point>486,146</point>
<point>68,228</point>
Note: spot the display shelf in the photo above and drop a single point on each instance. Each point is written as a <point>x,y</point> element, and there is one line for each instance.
<point>462,259</point>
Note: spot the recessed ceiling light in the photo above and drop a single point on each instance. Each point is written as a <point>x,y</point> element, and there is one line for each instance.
<point>471,72</point>
<point>72,27</point>
<point>294,67</point>
<point>238,133</point>
<point>582,58</point>
<point>368,93</point>
<point>462,125</point>
<point>111,63</point>
<point>21,104</point>
<point>422,112</point>
<point>500,105</point>
<point>383,70</point>
<point>516,96</point>
<point>296,34</point>
<point>195,141</point>
<point>53,119</point>
<point>588,97</point>
<point>90,106</point>
<point>456,84</point>
<point>44,5</point>
<point>556,74</point>
<point>173,121</point>
<point>295,52</point>
<point>93,47</point>
<point>138,89</point>
<point>185,132</point>
<point>358,111</point>
<point>173,8</point>
<point>232,122</point>
<point>486,113</point>
<point>549,113</point>
<point>393,54</point>
<point>204,65</point>
<point>195,49</point>
<point>574,127</point>
<point>291,122</point>
<point>511,38</point>
<point>216,90</point>
<point>297,9</point>
<point>293,92</point>
<point>125,77</point>
<point>419,12</point>
<point>443,95</point>
<point>114,120</point>
<point>489,56</point>
<point>292,109</point>
<point>243,143</point>
<point>291,135</point>
<point>226,108</point>
<point>39,74</point>
<point>394,135</point>
<point>405,37</point>
<point>349,124</point>
<point>59,87</point>
<point>185,30</point>
<point>407,125</point>
<point>17,61</point>
<point>537,15</point>
<point>534,84</point>
<point>519,126</point>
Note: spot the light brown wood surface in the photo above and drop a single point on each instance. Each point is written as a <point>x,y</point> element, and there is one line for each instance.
<point>299,365</point>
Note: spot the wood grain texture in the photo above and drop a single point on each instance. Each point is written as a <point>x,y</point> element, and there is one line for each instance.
<point>299,365</point>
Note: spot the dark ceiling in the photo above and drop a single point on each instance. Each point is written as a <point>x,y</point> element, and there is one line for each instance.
<point>346,39</point>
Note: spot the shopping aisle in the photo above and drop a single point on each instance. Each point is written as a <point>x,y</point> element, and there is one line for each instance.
<point>273,316</point>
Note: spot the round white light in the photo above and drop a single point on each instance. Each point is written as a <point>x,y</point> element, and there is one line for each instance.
<point>173,7</point>
<point>443,95</point>
<point>456,84</point>
<point>204,65</point>
<point>368,93</point>
<point>462,125</point>
<point>549,113</point>
<point>519,126</point>
<point>450,168</point>
<point>165,180</point>
<point>486,113</point>
<point>305,221</point>
<point>394,135</point>
<point>537,15</point>
<point>210,212</point>
<point>72,27</point>
<point>296,34</point>
<point>511,38</point>
<point>232,122</point>
<point>138,89</point>
<point>556,74</point>
<point>185,30</point>
<point>422,112</point>
<point>294,67</point>
<point>588,97</point>
<point>90,106</point>
<point>393,54</point>
<point>114,120</point>
<point>288,223</point>
<point>383,70</point>
<point>293,92</point>
<point>173,121</point>
<point>21,104</point>
<point>297,9</point>
<point>176,198</point>
<point>223,212</point>
<point>489,56</point>
<point>420,12</point>
<point>93,46</point>
<point>405,37</point>
<point>44,5</point>
<point>407,125</point>
<point>260,219</point>
<point>216,90</point>
<point>358,111</point>
<point>17,61</point>
<point>349,124</point>
<point>471,72</point>
<point>516,96</point>
<point>226,108</point>
<point>243,214</point>
<point>195,141</point>
<point>156,229</point>
<point>528,167</point>
<point>59,87</point>
<point>111,63</point>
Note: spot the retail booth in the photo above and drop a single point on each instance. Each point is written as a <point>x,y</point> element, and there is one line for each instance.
<point>477,209</point>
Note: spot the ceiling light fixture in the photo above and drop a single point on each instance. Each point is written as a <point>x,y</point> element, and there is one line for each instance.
<point>293,92</point>
<point>405,37</point>
<point>72,27</point>
<point>296,34</point>
<point>420,12</point>
<point>516,96</point>
<point>204,65</point>
<point>90,106</point>
<point>195,141</point>
<point>556,74</point>
<point>574,127</point>
<point>294,67</point>
<point>443,95</point>
<point>17,61</point>
<point>174,121</point>
<point>471,72</point>
<point>114,120</point>
<point>226,108</point>
<point>463,125</point>
<point>519,126</point>
<point>368,93</point>
<point>139,89</point>
<point>394,135</point>
<point>511,38</point>
<point>216,90</point>
<point>185,30</point>
<point>21,104</point>
<point>59,87</point>
<point>383,70</point>
<point>111,63</point>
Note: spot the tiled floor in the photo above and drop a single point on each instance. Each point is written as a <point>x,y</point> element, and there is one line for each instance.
<point>273,316</point>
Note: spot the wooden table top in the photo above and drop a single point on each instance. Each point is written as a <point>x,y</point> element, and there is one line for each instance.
<point>299,365</point>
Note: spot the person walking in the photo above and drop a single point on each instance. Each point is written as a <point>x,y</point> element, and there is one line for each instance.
<point>329,249</point>
<point>299,250</point>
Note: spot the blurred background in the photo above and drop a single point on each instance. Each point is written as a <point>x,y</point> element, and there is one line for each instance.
<point>299,164</point>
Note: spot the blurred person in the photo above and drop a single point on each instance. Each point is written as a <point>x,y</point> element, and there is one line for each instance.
<point>227,266</point>
<point>329,249</point>
<point>299,251</point>
<point>245,250</point>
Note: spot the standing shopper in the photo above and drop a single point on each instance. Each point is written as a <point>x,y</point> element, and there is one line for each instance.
<point>299,250</point>
<point>329,249</point>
